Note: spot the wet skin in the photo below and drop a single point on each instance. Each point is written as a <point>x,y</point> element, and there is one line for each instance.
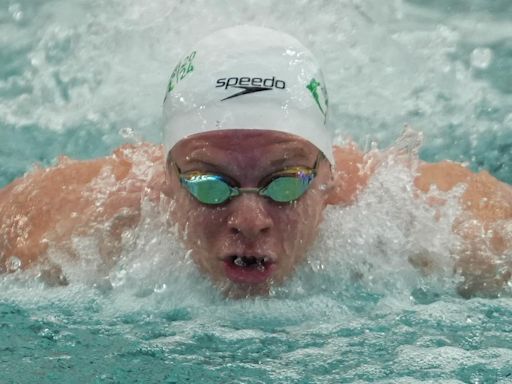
<point>249,226</point>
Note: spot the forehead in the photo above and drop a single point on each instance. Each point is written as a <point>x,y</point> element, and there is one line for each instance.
<point>243,143</point>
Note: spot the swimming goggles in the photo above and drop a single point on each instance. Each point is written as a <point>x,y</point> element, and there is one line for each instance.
<point>283,186</point>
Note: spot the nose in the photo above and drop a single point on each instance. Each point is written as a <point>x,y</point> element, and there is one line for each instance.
<point>249,216</point>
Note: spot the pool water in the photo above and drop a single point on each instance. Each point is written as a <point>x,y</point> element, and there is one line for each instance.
<point>81,77</point>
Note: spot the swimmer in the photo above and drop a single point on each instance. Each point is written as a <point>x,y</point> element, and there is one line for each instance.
<point>246,168</point>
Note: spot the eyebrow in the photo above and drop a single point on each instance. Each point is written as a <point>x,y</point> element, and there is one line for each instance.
<point>206,163</point>
<point>292,153</point>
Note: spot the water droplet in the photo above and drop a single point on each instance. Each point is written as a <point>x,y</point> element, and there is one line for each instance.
<point>12,264</point>
<point>119,278</point>
<point>159,288</point>
<point>481,57</point>
<point>16,12</point>
<point>507,122</point>
<point>291,52</point>
<point>188,255</point>
<point>127,133</point>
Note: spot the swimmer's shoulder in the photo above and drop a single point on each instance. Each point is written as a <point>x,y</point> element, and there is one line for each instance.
<point>49,205</point>
<point>485,197</point>
<point>141,161</point>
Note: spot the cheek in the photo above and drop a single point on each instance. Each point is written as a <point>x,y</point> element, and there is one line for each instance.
<point>198,225</point>
<point>205,226</point>
<point>298,224</point>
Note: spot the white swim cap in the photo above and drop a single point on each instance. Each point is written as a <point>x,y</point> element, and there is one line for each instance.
<point>247,77</point>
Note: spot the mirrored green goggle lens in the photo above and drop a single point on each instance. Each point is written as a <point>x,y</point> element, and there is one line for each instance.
<point>211,189</point>
<point>208,189</point>
<point>285,189</point>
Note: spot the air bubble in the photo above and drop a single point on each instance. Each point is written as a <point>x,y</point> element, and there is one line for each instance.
<point>481,58</point>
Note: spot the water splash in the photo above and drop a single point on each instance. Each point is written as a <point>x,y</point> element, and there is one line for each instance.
<point>13,264</point>
<point>481,58</point>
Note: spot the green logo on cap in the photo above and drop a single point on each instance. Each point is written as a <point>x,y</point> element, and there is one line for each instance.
<point>182,69</point>
<point>321,98</point>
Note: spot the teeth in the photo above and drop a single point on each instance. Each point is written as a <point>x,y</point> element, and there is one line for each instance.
<point>239,261</point>
<point>250,261</point>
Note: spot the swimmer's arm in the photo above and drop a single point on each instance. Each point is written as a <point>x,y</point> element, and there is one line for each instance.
<point>485,224</point>
<point>48,206</point>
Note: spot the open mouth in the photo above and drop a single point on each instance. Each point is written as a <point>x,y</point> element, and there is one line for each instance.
<point>248,269</point>
<point>249,262</point>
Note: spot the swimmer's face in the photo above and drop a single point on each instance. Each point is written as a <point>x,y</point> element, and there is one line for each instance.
<point>249,242</point>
